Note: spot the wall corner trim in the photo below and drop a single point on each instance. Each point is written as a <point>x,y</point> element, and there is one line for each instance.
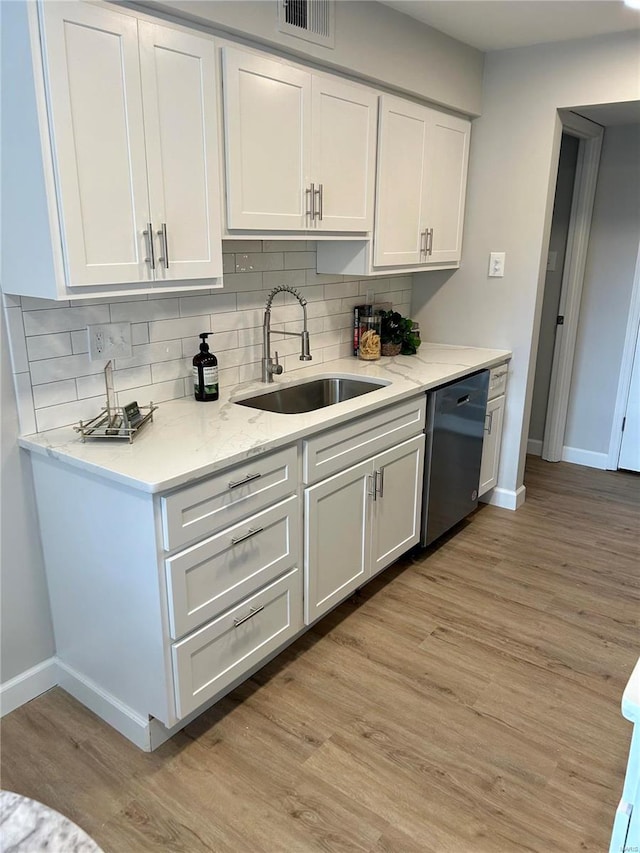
<point>27,685</point>
<point>505,498</point>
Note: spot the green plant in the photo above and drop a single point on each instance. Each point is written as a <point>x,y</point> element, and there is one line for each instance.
<point>397,329</point>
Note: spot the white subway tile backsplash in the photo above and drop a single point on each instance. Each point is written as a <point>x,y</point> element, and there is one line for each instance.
<point>52,346</point>
<point>185,327</point>
<point>299,260</point>
<point>259,261</point>
<point>64,319</point>
<point>17,346</point>
<point>49,338</point>
<point>79,342</point>
<point>139,333</point>
<point>139,311</point>
<point>68,414</point>
<point>164,371</point>
<point>65,367</point>
<point>54,393</point>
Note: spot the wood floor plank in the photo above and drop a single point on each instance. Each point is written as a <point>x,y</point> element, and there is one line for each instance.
<point>468,698</point>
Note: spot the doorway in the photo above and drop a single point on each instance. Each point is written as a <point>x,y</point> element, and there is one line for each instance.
<point>569,241</point>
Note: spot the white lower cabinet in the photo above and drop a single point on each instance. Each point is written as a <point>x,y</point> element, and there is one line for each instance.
<point>358,522</point>
<point>493,429</point>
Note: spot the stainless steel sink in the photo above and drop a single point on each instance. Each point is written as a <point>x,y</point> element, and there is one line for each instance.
<point>311,395</point>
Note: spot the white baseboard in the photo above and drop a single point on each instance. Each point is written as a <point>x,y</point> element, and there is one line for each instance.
<point>505,498</point>
<point>128,722</point>
<point>29,684</point>
<point>585,457</point>
<point>534,447</point>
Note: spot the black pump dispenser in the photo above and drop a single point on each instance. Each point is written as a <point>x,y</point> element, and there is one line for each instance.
<point>205,372</point>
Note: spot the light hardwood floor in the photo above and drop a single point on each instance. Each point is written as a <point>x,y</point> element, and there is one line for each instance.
<point>466,700</point>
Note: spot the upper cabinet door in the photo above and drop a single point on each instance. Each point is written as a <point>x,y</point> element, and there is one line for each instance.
<point>343,154</point>
<point>402,180</point>
<point>267,107</point>
<point>98,133</point>
<point>446,185</point>
<point>178,91</point>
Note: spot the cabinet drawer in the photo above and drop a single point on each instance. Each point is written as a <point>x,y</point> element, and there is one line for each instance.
<point>211,659</point>
<point>498,380</point>
<point>211,576</point>
<point>224,499</point>
<point>336,449</point>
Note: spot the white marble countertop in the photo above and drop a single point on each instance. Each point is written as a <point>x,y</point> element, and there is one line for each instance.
<point>188,439</point>
<point>27,826</point>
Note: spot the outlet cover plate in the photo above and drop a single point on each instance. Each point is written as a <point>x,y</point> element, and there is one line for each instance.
<point>109,340</point>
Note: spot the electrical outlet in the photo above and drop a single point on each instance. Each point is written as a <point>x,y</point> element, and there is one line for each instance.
<point>109,340</point>
<point>496,264</point>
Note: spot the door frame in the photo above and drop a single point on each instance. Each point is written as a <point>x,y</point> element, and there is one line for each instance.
<point>626,366</point>
<point>590,135</point>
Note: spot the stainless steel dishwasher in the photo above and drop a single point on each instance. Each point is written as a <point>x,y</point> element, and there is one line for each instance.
<point>453,452</point>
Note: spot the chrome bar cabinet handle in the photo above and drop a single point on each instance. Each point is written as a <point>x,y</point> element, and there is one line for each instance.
<point>148,235</point>
<point>247,479</point>
<point>164,246</point>
<point>311,207</point>
<point>235,540</point>
<point>380,482</point>
<point>320,193</point>
<point>430,243</point>
<point>373,492</point>
<point>253,611</point>
<point>488,427</point>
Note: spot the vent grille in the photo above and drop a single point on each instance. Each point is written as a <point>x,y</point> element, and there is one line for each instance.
<point>311,20</point>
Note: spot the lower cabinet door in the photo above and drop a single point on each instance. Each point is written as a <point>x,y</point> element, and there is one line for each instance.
<point>491,445</point>
<point>396,510</point>
<point>336,538</point>
<point>209,660</point>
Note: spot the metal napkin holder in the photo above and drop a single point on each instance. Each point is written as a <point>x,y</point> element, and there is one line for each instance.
<point>111,422</point>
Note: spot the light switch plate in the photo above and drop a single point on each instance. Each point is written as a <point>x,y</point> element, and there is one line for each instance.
<point>496,264</point>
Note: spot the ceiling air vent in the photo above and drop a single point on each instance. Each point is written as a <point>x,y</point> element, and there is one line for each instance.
<point>311,20</point>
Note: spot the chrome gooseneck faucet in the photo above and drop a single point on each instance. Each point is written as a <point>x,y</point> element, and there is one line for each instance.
<point>272,365</point>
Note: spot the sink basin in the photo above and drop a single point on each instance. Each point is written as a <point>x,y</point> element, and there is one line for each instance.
<point>311,395</point>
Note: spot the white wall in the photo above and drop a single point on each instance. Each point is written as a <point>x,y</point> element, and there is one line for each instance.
<point>553,285</point>
<point>606,295</point>
<point>515,148</point>
<point>372,41</point>
<point>26,637</point>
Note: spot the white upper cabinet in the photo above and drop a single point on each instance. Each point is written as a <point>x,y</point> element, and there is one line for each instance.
<point>267,117</point>
<point>125,113</point>
<point>402,184</point>
<point>179,97</point>
<point>299,148</point>
<point>93,76</point>
<point>422,175</point>
<point>343,155</point>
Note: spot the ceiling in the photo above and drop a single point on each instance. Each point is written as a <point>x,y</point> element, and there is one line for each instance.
<point>500,24</point>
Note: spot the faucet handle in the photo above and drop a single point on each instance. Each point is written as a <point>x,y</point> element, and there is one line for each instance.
<point>276,367</point>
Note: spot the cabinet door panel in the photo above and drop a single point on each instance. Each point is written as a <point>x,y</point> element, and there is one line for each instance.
<point>336,539</point>
<point>402,164</point>
<point>267,125</point>
<point>396,511</point>
<point>178,85</point>
<point>491,445</point>
<point>446,185</point>
<point>343,154</point>
<point>98,133</point>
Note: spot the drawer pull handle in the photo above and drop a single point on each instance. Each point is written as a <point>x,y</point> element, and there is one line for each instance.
<point>380,482</point>
<point>253,611</point>
<point>247,479</point>
<point>235,540</point>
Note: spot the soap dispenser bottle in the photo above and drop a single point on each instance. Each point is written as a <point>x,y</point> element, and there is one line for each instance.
<point>205,372</point>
